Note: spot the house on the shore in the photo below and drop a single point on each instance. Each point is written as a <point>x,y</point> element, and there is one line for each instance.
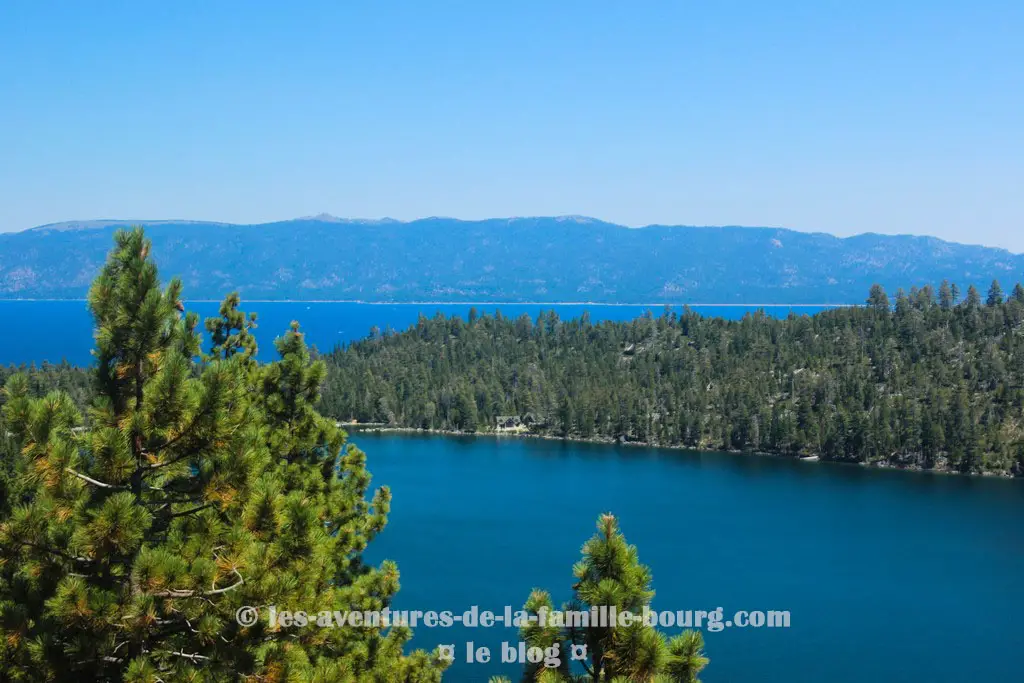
<point>517,423</point>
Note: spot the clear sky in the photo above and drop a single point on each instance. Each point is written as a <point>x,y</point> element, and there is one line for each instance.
<point>896,116</point>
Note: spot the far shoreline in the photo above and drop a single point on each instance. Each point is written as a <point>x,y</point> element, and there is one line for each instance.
<point>472,303</point>
<point>376,428</point>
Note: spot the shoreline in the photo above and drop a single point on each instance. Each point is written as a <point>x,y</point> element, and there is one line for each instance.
<point>476,303</point>
<point>378,428</point>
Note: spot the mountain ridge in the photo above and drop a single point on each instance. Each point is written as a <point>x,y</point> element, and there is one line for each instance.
<point>516,259</point>
<point>324,217</point>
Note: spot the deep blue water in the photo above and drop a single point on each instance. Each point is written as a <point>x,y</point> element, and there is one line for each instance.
<point>889,576</point>
<point>35,331</point>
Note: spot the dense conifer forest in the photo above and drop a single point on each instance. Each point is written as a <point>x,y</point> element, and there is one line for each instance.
<point>930,379</point>
<point>46,377</point>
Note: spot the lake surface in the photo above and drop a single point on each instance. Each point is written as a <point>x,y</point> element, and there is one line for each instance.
<point>888,576</point>
<point>36,331</point>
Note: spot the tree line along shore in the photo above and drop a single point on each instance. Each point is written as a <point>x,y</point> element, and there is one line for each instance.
<point>929,379</point>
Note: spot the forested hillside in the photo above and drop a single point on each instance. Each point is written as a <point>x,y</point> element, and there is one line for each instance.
<point>927,380</point>
<point>46,377</point>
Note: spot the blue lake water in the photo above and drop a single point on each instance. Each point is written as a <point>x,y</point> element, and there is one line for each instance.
<point>35,331</point>
<point>888,576</point>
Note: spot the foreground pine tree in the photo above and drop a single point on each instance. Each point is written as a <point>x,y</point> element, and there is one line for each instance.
<point>129,537</point>
<point>610,574</point>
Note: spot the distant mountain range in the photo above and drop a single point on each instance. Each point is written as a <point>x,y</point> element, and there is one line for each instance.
<point>560,259</point>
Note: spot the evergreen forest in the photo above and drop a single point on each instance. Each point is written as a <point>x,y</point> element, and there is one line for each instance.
<point>930,378</point>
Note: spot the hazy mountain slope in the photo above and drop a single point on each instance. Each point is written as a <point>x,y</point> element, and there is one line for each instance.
<point>525,259</point>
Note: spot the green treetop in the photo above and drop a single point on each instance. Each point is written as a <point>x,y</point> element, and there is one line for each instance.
<point>610,575</point>
<point>973,297</point>
<point>878,299</point>
<point>230,333</point>
<point>995,294</point>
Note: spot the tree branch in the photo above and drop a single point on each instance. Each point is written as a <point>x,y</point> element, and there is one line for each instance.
<point>192,510</point>
<point>53,551</point>
<point>94,482</point>
<point>173,593</point>
<point>186,655</point>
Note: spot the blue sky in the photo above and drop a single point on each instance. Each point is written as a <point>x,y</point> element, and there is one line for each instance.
<point>845,117</point>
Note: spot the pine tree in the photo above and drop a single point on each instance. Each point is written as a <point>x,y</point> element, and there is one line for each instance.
<point>878,300</point>
<point>230,333</point>
<point>945,296</point>
<point>995,295</point>
<point>973,299</point>
<point>191,488</point>
<point>610,575</point>
<point>543,636</point>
